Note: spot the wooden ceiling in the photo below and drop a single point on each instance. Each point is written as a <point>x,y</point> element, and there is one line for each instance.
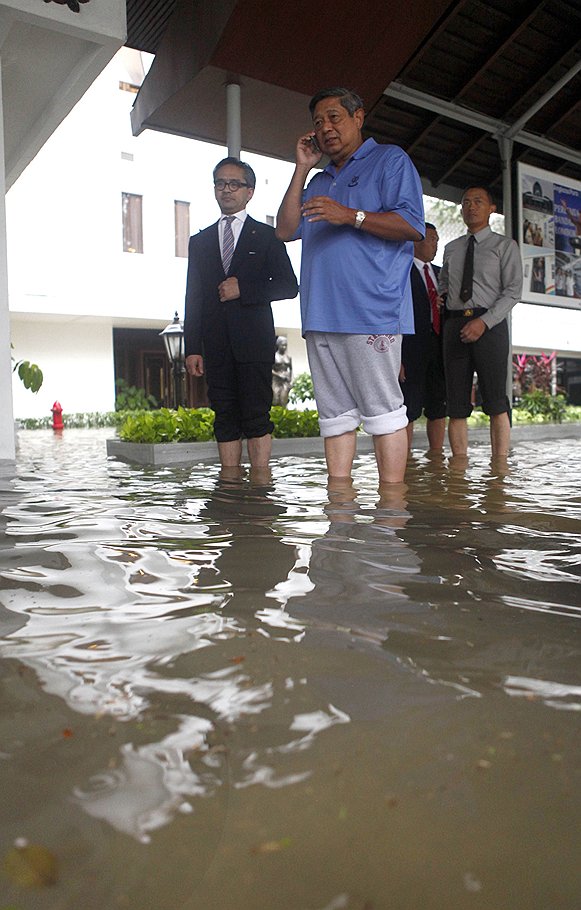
<point>438,78</point>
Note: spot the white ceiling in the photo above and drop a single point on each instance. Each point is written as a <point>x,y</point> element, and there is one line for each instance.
<point>49,57</point>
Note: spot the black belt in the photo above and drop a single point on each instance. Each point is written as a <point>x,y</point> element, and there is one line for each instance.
<point>476,311</point>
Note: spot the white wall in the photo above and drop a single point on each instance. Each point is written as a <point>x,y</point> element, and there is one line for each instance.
<point>76,358</point>
<point>64,213</point>
<point>65,241</point>
<point>537,329</point>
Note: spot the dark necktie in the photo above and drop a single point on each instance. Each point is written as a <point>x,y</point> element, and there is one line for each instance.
<point>227,243</point>
<point>468,273</point>
<point>433,295</point>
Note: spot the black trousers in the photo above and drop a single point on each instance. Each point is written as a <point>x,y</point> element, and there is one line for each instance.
<point>241,396</point>
<point>487,357</point>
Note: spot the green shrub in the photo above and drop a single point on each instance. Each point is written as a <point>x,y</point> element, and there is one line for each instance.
<point>183,425</point>
<point>302,389</point>
<point>540,404</point>
<point>75,421</point>
<point>197,425</point>
<point>478,418</point>
<point>130,398</point>
<point>289,424</point>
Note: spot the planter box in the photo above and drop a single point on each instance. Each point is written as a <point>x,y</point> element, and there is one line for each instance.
<point>182,453</point>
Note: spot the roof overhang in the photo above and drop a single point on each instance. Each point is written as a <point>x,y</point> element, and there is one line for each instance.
<point>50,55</point>
<point>280,54</point>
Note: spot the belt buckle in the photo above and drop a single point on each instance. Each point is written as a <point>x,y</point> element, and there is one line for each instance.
<point>468,313</point>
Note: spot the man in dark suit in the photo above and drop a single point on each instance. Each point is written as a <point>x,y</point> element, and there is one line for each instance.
<point>236,267</point>
<point>422,373</point>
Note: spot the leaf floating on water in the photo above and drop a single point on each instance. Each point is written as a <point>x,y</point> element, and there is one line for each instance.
<point>273,846</point>
<point>32,866</point>
<point>471,883</point>
<point>67,733</point>
<point>236,660</point>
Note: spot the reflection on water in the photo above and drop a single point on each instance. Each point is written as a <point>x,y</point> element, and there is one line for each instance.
<point>261,692</point>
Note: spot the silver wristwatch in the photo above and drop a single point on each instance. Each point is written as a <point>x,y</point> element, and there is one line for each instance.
<point>359,219</point>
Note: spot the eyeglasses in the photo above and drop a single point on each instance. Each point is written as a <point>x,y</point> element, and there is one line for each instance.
<point>229,184</point>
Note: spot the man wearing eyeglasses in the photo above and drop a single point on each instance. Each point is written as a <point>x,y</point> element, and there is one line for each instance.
<point>236,268</point>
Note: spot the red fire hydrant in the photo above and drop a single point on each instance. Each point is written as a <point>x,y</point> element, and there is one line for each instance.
<point>57,416</point>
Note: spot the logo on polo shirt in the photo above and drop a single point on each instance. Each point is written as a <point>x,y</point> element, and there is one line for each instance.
<point>381,343</point>
<point>353,182</point>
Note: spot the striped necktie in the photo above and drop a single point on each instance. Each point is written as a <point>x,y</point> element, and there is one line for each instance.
<point>227,243</point>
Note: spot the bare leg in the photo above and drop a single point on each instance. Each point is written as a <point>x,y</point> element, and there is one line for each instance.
<point>342,494</point>
<point>499,435</point>
<point>339,453</point>
<point>234,472</point>
<point>458,435</point>
<point>436,430</point>
<point>230,453</point>
<point>259,449</point>
<point>410,432</point>
<point>391,452</point>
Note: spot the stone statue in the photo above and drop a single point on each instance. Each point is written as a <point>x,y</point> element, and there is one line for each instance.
<point>282,373</point>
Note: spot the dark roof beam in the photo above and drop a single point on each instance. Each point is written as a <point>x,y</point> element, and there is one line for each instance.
<point>455,164</point>
<point>554,90</point>
<point>480,121</point>
<point>435,34</point>
<point>486,9</point>
<point>564,116</point>
<point>568,8</point>
<point>509,37</point>
<point>544,69</point>
<point>410,146</point>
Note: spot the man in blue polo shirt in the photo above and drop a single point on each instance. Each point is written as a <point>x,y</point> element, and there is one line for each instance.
<point>358,219</point>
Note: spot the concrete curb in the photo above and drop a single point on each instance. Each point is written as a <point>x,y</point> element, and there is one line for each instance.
<point>180,453</point>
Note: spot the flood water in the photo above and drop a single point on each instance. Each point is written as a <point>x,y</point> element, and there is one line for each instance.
<point>262,694</point>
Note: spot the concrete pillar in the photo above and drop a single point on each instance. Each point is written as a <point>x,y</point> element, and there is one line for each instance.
<point>233,119</point>
<point>505,147</point>
<point>7,435</point>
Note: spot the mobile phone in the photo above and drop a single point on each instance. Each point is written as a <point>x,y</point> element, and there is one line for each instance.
<point>314,143</point>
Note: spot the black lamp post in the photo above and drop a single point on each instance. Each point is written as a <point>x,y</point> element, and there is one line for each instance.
<point>173,339</point>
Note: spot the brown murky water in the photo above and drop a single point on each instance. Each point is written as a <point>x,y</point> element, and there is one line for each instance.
<point>246,694</point>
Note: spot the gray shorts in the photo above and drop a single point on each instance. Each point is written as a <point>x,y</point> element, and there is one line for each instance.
<point>356,381</point>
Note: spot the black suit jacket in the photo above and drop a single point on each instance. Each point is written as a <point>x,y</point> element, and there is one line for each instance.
<point>415,348</point>
<point>244,326</point>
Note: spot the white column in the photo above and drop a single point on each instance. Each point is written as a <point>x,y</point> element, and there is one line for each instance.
<point>233,119</point>
<point>7,436</point>
<point>505,147</point>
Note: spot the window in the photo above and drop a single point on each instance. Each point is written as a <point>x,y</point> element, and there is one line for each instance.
<point>182,226</point>
<point>132,223</point>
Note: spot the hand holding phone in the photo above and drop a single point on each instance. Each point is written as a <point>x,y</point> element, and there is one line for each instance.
<point>315,144</point>
<point>308,151</point>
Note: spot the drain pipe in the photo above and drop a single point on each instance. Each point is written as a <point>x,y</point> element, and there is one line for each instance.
<point>505,146</point>
<point>233,119</point>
